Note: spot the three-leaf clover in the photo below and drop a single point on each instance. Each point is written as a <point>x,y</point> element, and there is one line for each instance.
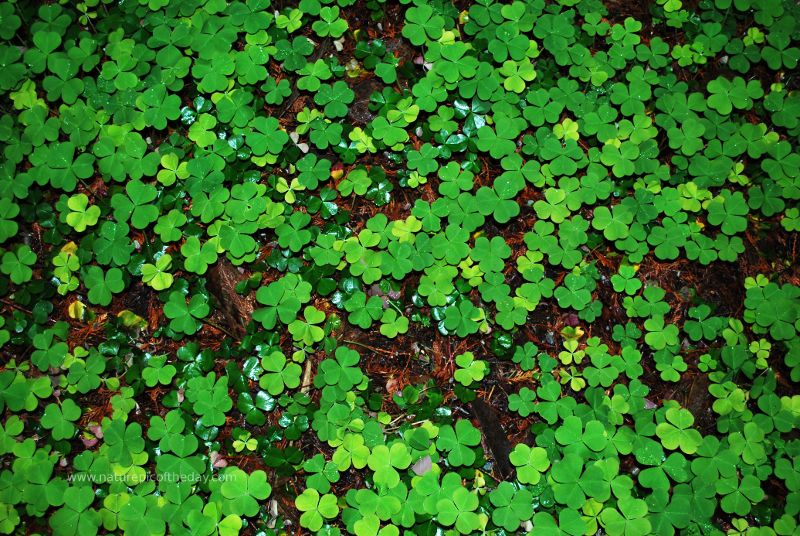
<point>81,215</point>
<point>59,419</point>
<point>209,398</point>
<point>677,432</point>
<point>136,204</point>
<point>530,462</point>
<point>75,517</point>
<point>334,98</point>
<point>102,285</point>
<point>278,374</point>
<point>123,440</point>
<point>156,275</point>
<point>422,25</point>
<point>458,442</point>
<point>329,24</point>
<point>308,331</point>
<point>185,317</point>
<point>470,370</point>
<point>459,509</point>
<point>316,508</point>
<point>629,518</point>
<point>17,264</point>
<point>242,492</point>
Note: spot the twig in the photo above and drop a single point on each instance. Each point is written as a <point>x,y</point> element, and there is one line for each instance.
<point>361,344</point>
<point>306,385</point>
<point>16,306</point>
<point>86,185</point>
<point>222,329</point>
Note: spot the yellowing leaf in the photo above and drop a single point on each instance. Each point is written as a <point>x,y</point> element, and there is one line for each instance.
<point>76,310</point>
<point>131,320</point>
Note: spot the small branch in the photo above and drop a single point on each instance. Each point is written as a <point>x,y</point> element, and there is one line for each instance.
<point>16,306</point>
<point>86,185</point>
<point>362,345</point>
<point>220,328</point>
<point>306,385</point>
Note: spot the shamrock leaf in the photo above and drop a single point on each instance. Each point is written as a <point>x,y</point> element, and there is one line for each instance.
<point>242,492</point>
<point>629,518</point>
<point>278,374</point>
<point>329,24</point>
<point>59,419</point>
<point>308,331</point>
<point>422,25</point>
<point>185,317</point>
<point>209,398</point>
<point>102,285</point>
<point>81,215</point>
<point>316,508</point>
<point>16,264</point>
<point>530,462</point>
<point>458,442</point>
<point>123,440</point>
<point>677,431</point>
<point>136,205</point>
<point>156,275</point>
<point>334,98</point>
<point>76,517</point>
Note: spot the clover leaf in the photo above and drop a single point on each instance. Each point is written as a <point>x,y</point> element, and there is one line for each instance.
<point>512,506</point>
<point>266,136</point>
<point>278,374</point>
<point>76,517</point>
<point>458,510</point>
<point>386,460</point>
<point>316,508</point>
<point>185,317</point>
<point>530,462</point>
<point>81,215</point>
<point>363,312</point>
<point>329,24</point>
<point>59,419</point>
<point>136,204</point>
<point>335,98</point>
<point>630,517</point>
<point>422,24</point>
<point>458,442</point>
<point>124,441</point>
<point>156,275</point>
<point>677,431</point>
<point>242,491</point>
<point>307,331</point>
<point>470,370</point>
<point>728,211</point>
<point>16,264</point>
<point>103,285</point>
<point>209,398</point>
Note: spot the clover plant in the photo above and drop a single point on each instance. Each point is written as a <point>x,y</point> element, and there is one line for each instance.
<point>420,267</point>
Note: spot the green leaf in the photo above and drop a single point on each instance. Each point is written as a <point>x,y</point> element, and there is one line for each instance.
<point>16,264</point>
<point>530,463</point>
<point>677,432</point>
<point>242,492</point>
<point>81,215</point>
<point>185,317</point>
<point>316,508</point>
<point>59,419</point>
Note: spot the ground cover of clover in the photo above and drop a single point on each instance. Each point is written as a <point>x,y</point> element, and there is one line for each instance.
<point>426,267</point>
